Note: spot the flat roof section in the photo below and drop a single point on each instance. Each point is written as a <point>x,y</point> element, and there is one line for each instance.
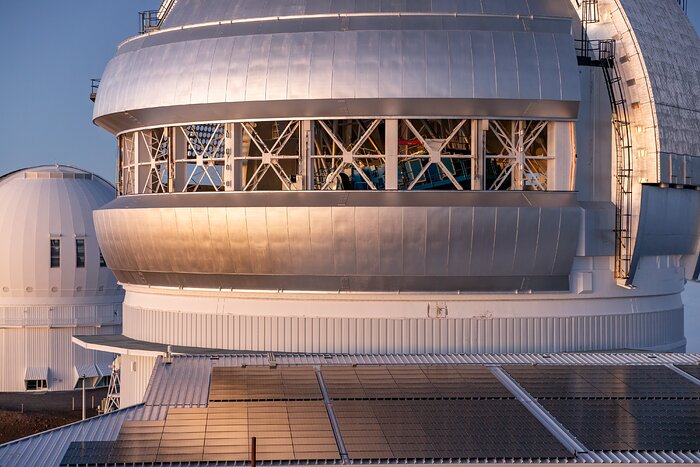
<point>328,410</point>
<point>605,381</point>
<point>123,345</point>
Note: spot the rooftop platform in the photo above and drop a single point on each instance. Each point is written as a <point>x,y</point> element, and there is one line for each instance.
<point>123,345</point>
<point>341,409</point>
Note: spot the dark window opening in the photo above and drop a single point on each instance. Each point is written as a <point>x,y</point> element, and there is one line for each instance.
<point>103,263</point>
<point>36,384</point>
<point>90,382</point>
<point>79,252</point>
<point>103,381</point>
<point>55,253</point>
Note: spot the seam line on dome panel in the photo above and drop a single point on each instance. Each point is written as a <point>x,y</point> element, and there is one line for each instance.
<point>266,19</point>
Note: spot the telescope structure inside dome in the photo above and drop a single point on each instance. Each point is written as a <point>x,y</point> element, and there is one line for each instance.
<point>393,177</point>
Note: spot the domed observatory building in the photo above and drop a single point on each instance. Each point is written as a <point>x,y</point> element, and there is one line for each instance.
<point>54,283</point>
<point>404,177</point>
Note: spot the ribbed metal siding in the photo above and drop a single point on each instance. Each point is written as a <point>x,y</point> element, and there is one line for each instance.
<point>48,448</point>
<point>61,315</point>
<point>662,45</point>
<point>35,205</point>
<point>135,376</point>
<point>384,335</point>
<point>43,347</point>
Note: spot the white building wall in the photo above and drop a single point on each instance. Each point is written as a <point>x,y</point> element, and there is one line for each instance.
<point>39,347</point>
<point>596,315</point>
<point>660,330</point>
<point>42,306</point>
<point>135,376</point>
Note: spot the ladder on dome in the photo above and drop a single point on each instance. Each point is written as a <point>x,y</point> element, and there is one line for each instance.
<point>601,53</point>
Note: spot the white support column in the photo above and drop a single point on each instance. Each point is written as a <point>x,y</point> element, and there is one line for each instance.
<point>143,161</point>
<point>136,150</point>
<point>171,159</point>
<point>233,167</point>
<point>121,164</point>
<point>560,147</point>
<point>179,155</point>
<point>391,150</point>
<point>306,148</point>
<point>478,152</point>
<point>519,171</point>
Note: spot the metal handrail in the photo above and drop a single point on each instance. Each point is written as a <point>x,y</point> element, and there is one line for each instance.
<point>94,85</point>
<point>149,20</point>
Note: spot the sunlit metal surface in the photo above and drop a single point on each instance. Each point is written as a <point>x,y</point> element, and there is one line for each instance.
<point>354,242</point>
<point>306,95</point>
<point>188,12</point>
<point>179,398</point>
<point>47,448</point>
<point>494,64</point>
<point>669,223</point>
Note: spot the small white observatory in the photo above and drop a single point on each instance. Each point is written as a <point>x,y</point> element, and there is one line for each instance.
<point>54,282</point>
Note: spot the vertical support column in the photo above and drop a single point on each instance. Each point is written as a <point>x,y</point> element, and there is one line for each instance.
<point>142,160</point>
<point>310,151</point>
<point>391,150</point>
<point>560,147</point>
<point>305,151</point>
<point>121,156</point>
<point>171,158</point>
<point>519,170</point>
<point>233,167</point>
<point>179,156</point>
<point>478,152</point>
<point>136,150</point>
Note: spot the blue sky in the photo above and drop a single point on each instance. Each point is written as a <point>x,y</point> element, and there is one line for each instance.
<point>50,50</point>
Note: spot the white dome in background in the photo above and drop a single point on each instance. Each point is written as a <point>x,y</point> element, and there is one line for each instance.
<point>45,298</point>
<point>41,204</point>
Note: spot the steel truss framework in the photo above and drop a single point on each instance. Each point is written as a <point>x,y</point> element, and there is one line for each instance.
<point>351,154</point>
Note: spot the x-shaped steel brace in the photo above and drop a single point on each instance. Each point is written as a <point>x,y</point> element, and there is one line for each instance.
<point>271,156</point>
<point>204,155</point>
<point>153,154</point>
<point>348,157</point>
<point>435,148</point>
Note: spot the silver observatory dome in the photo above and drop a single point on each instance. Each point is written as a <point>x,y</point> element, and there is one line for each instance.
<point>345,59</point>
<point>405,176</point>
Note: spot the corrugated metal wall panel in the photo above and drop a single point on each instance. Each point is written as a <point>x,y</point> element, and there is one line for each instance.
<point>61,315</point>
<point>48,448</point>
<point>22,348</point>
<point>134,384</point>
<point>384,335</point>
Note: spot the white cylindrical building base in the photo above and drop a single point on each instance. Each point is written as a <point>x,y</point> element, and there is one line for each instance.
<point>611,319</point>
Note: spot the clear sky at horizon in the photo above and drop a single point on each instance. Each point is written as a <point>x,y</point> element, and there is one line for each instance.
<point>49,52</point>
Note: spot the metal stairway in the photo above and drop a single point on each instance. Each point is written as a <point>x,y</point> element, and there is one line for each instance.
<point>601,53</point>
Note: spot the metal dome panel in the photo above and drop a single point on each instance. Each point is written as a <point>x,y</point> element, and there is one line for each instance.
<point>45,203</point>
<point>435,62</point>
<point>186,12</point>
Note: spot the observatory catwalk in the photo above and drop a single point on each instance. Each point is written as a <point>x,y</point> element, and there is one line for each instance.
<point>401,177</point>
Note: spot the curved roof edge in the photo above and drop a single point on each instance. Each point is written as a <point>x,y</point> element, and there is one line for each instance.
<point>57,166</point>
